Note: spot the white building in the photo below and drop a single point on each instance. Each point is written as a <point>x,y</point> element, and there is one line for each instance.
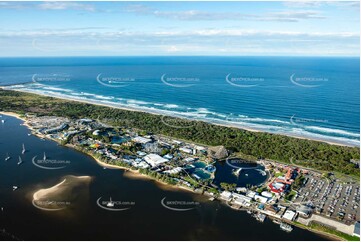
<point>251,194</point>
<point>289,215</point>
<point>266,194</point>
<point>154,159</point>
<point>240,197</point>
<point>260,199</point>
<point>189,159</point>
<point>174,170</point>
<point>141,140</point>
<point>186,150</point>
<point>226,195</point>
<point>141,153</point>
<point>168,156</point>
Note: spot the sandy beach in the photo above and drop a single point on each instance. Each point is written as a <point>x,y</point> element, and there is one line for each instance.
<point>170,114</point>
<point>58,197</point>
<point>135,174</point>
<point>48,191</point>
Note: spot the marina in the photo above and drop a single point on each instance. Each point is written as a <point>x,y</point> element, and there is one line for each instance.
<point>112,183</point>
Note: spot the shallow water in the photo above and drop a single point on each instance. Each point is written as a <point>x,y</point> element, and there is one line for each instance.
<point>146,219</point>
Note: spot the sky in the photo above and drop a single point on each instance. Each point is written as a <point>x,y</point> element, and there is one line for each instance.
<point>179,28</point>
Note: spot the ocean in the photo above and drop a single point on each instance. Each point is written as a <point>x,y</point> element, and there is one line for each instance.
<point>311,97</point>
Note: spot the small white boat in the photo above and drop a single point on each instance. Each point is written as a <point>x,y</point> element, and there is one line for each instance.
<point>110,203</point>
<point>261,217</point>
<point>29,134</point>
<point>236,172</point>
<point>44,157</point>
<point>20,161</point>
<point>286,227</point>
<point>15,188</point>
<point>3,121</point>
<point>23,151</point>
<point>7,157</point>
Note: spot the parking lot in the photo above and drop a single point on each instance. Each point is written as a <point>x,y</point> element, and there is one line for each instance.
<point>331,198</point>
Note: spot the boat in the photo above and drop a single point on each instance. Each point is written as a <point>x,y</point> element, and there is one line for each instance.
<point>15,188</point>
<point>23,151</point>
<point>29,134</point>
<point>44,157</point>
<point>246,174</point>
<point>7,157</point>
<point>110,203</point>
<point>20,161</point>
<point>286,227</point>
<point>236,172</point>
<point>260,217</point>
<point>2,121</point>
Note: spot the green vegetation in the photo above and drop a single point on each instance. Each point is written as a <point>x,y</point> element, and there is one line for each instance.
<point>290,195</point>
<point>324,228</point>
<point>312,154</point>
<point>228,186</point>
<point>298,182</point>
<point>279,174</point>
<point>261,189</point>
<point>158,176</point>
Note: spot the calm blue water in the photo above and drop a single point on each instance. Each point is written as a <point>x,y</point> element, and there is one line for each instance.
<point>300,96</point>
<point>84,220</point>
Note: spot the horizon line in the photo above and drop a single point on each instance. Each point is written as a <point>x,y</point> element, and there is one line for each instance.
<point>231,56</point>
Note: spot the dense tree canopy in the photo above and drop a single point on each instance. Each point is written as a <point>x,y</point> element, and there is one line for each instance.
<point>308,153</point>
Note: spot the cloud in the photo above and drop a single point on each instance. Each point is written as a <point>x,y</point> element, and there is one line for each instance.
<point>88,31</point>
<point>66,6</point>
<point>285,16</point>
<point>317,4</point>
<point>197,15</point>
<point>48,6</point>
<point>197,42</point>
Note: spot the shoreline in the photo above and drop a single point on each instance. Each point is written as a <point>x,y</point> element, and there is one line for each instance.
<point>101,163</point>
<point>165,113</point>
<point>137,175</point>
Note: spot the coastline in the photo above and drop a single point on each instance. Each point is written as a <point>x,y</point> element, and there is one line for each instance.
<point>169,114</point>
<point>137,175</point>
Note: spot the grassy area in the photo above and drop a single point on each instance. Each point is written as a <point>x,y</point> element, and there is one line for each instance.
<point>279,174</point>
<point>329,230</point>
